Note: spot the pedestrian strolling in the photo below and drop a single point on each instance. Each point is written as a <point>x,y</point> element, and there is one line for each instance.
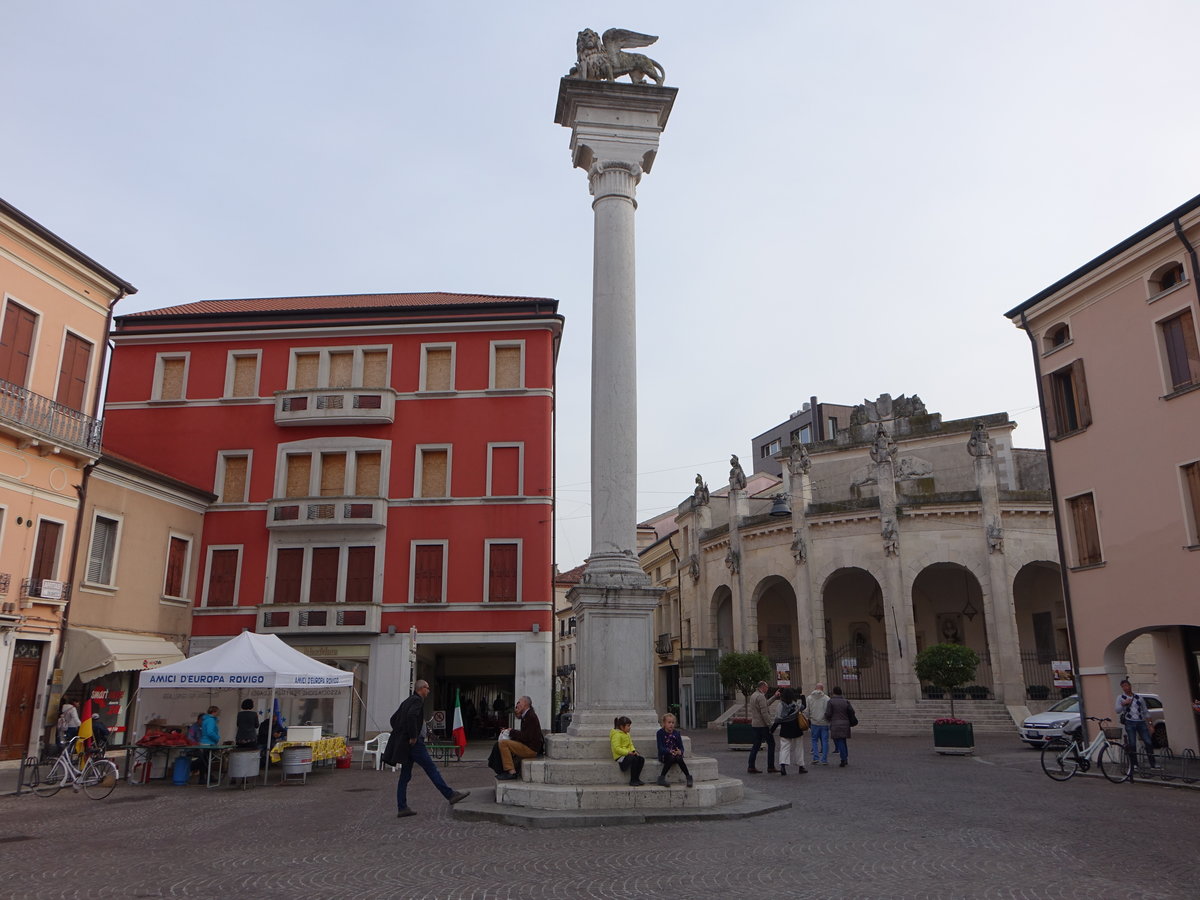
<point>841,719</point>
<point>406,748</point>
<point>791,732</point>
<point>760,721</point>
<point>818,724</point>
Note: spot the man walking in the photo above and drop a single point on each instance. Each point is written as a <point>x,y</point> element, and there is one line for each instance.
<point>406,747</point>
<point>818,723</point>
<point>1135,716</point>
<point>760,721</point>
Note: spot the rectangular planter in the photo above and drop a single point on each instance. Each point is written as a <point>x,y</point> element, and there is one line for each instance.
<point>957,739</point>
<point>739,733</point>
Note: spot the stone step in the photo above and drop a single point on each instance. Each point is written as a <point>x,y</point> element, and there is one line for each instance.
<point>602,796</point>
<point>566,746</point>
<point>606,772</point>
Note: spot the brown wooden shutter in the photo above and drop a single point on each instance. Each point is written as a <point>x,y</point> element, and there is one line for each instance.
<point>299,474</point>
<point>438,374</point>
<point>222,577</point>
<point>1050,399</point>
<point>427,580</point>
<point>245,368</point>
<point>367,468</point>
<point>233,487</point>
<point>324,582</point>
<point>45,552</point>
<point>375,368</point>
<point>508,367</point>
<point>289,570</point>
<point>73,374</point>
<point>16,343</point>
<point>1083,406</point>
<point>506,471</point>
<point>307,367</point>
<point>176,561</point>
<point>171,387</point>
<point>360,574</point>
<point>1087,536</point>
<point>333,474</point>
<point>1191,475</point>
<point>433,473</point>
<point>341,369</point>
<point>502,573</point>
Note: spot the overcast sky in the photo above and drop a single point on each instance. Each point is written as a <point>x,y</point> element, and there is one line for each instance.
<point>845,201</point>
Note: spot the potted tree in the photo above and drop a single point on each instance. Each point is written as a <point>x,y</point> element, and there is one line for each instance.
<point>949,666</point>
<point>742,672</point>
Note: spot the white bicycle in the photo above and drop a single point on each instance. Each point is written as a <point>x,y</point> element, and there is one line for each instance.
<point>1062,758</point>
<point>97,777</point>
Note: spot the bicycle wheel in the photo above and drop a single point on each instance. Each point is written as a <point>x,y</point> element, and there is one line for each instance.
<point>1115,762</point>
<point>53,782</point>
<point>99,778</point>
<point>1060,760</point>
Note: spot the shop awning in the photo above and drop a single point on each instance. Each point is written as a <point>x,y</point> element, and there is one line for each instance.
<point>91,653</point>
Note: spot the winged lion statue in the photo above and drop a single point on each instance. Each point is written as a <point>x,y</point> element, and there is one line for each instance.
<point>606,59</point>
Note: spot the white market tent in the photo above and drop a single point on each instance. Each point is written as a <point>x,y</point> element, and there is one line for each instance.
<point>247,664</point>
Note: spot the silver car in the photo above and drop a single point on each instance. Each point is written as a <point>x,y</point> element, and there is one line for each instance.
<point>1062,719</point>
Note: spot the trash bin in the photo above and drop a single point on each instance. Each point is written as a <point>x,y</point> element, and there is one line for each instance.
<point>182,770</point>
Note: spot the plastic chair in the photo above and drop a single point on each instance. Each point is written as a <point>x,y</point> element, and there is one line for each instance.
<point>379,742</point>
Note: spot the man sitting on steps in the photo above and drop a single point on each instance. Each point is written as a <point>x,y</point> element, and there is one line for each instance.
<point>525,741</point>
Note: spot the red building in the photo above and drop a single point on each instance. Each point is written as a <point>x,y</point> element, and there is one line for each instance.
<point>383,465</point>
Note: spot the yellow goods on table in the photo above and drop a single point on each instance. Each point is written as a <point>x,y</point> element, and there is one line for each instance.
<point>325,749</point>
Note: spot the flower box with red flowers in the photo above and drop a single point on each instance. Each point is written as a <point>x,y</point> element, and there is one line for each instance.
<point>953,736</point>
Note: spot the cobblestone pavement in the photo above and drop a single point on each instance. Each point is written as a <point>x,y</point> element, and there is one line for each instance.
<point>899,822</point>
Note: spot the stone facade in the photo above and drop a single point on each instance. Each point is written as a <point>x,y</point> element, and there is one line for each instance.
<point>903,531</point>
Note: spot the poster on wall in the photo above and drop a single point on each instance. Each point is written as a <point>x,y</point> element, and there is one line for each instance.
<point>1063,677</point>
<point>783,674</point>
<point>850,669</point>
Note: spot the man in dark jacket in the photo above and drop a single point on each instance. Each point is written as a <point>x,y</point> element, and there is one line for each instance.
<point>406,747</point>
<point>525,741</point>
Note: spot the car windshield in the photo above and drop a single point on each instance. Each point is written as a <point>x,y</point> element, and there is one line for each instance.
<point>1070,704</point>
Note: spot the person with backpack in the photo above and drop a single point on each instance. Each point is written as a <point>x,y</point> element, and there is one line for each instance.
<point>841,720</point>
<point>791,730</point>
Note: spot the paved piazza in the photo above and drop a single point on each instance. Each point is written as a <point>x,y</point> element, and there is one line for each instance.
<point>900,821</point>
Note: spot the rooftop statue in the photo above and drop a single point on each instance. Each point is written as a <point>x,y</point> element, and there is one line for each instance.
<point>606,60</point>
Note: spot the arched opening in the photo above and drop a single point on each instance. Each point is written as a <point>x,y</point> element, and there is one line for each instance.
<point>856,657</point>
<point>948,609</point>
<point>1162,661</point>
<point>722,619</point>
<point>1042,633</point>
<point>777,637</point>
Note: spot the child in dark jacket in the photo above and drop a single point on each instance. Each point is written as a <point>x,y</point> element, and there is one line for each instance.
<point>670,751</point>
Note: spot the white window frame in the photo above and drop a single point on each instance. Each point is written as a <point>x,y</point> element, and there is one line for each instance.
<point>1160,341</point>
<point>159,360</point>
<point>412,568</point>
<point>492,347</point>
<point>219,484</point>
<point>35,341</point>
<point>343,545</point>
<point>237,578</point>
<point>487,558</point>
<point>443,345</point>
<point>494,445</point>
<point>314,447</point>
<point>116,549</point>
<point>231,366</point>
<point>187,567</point>
<point>419,470</point>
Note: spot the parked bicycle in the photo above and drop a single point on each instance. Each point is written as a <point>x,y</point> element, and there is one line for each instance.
<point>1061,758</point>
<point>97,776</point>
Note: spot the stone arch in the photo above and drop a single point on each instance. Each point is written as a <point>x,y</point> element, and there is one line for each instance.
<point>720,614</point>
<point>774,605</point>
<point>1042,631</point>
<point>856,634</point>
<point>947,604</point>
<point>1172,672</point>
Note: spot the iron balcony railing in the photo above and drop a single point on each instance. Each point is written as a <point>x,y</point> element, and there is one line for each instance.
<point>42,417</point>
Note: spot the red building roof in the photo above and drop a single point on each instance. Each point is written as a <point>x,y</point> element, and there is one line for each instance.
<point>433,299</point>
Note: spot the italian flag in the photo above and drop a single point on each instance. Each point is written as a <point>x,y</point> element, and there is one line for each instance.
<point>459,734</point>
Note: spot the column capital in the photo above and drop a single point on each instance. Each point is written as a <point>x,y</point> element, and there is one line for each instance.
<point>614,178</point>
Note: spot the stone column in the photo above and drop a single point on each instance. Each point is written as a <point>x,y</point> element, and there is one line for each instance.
<point>999,613</point>
<point>810,619</point>
<point>739,509</point>
<point>614,138</point>
<point>897,609</point>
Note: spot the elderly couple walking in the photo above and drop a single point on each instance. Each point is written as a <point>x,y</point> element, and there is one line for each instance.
<point>828,717</point>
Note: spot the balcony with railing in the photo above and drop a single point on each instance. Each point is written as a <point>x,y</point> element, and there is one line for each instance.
<point>312,513</point>
<point>44,590</point>
<point>315,618</point>
<point>336,406</point>
<point>662,645</point>
<point>39,421</point>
